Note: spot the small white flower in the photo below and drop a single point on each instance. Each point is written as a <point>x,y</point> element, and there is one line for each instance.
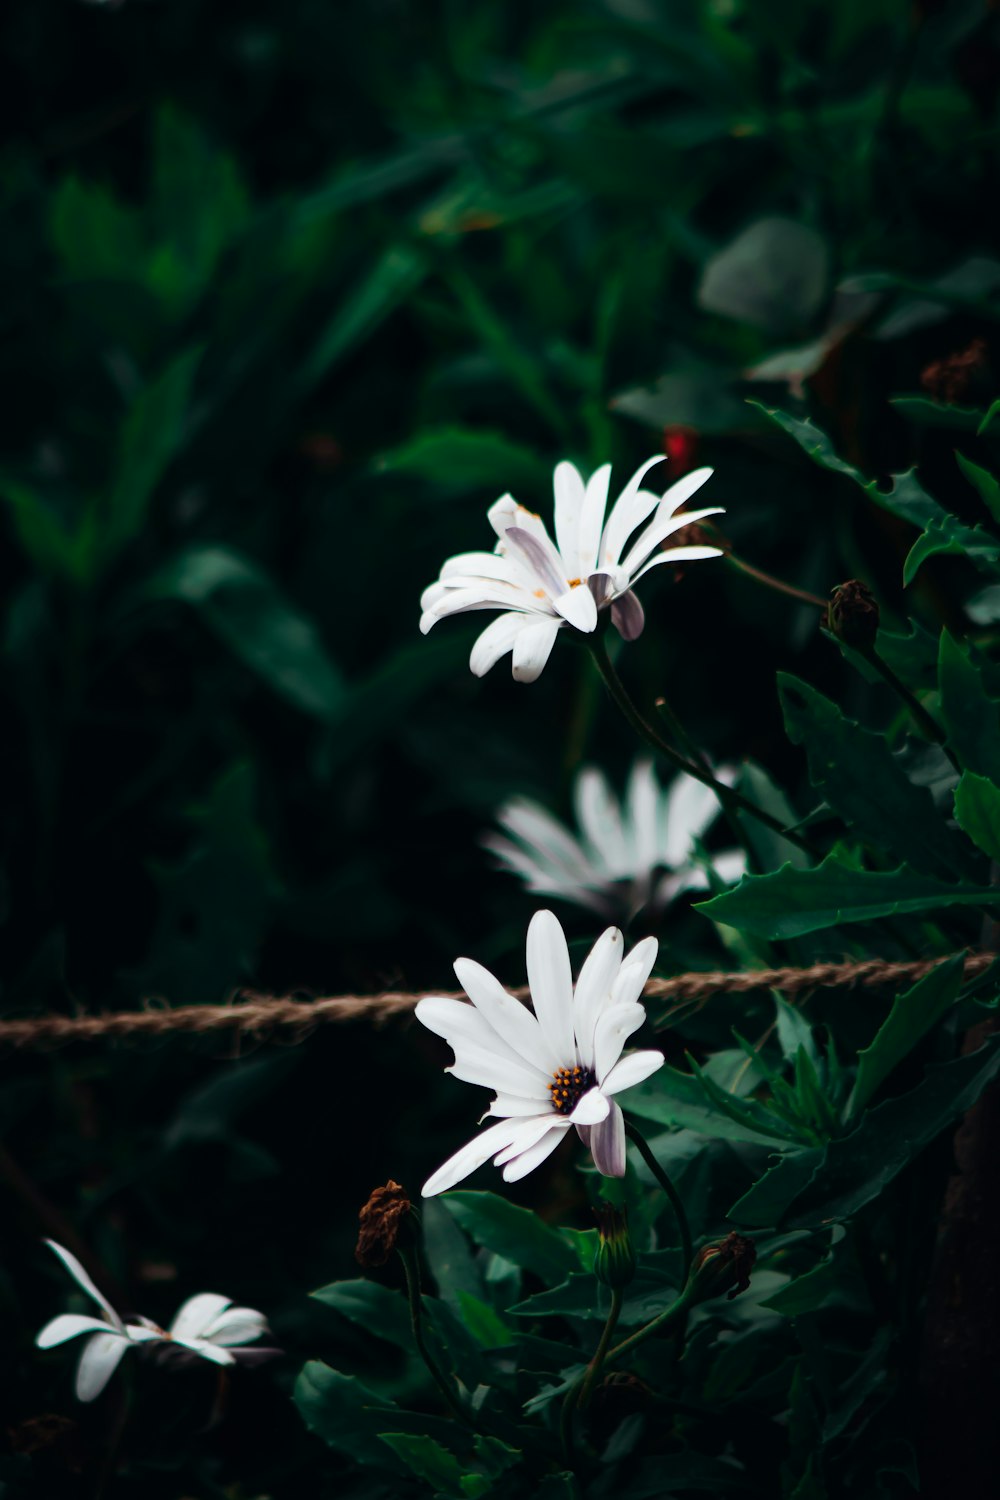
<point>610,864</point>
<point>109,1337</point>
<point>556,1068</point>
<point>206,1324</point>
<point>542,586</point>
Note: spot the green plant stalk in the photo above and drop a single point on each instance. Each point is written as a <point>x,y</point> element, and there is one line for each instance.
<point>777,584</point>
<point>680,1214</point>
<point>674,1313</point>
<point>931,728</point>
<point>727,796</point>
<point>408,1257</point>
<point>694,750</point>
<point>594,1368</point>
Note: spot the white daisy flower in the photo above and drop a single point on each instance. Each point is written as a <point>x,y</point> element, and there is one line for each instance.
<point>109,1337</point>
<point>541,586</point>
<point>610,862</point>
<point>559,1067</point>
<point>209,1325</point>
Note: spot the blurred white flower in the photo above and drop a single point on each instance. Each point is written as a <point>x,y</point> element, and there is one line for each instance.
<point>207,1325</point>
<point>542,586</point>
<point>559,1067</point>
<point>108,1337</point>
<point>610,864</point>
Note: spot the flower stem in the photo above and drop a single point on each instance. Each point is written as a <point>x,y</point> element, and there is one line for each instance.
<point>594,1368</point>
<point>727,796</point>
<point>670,1314</point>
<point>778,584</point>
<point>684,1228</point>
<point>931,728</point>
<point>412,1270</point>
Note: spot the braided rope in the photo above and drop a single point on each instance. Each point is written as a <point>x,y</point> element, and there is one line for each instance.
<point>253,1015</point>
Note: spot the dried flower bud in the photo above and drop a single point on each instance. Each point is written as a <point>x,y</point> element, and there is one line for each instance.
<point>852,614</point>
<point>723,1266</point>
<point>614,1263</point>
<point>387,1223</point>
<point>950,379</point>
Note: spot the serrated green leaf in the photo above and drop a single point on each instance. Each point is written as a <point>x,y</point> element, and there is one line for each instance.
<point>790,902</point>
<point>971,718</point>
<point>912,1016</point>
<point>983,481</point>
<point>428,1460</point>
<point>765,1204</point>
<point>794,1031</point>
<point>680,1099</point>
<point>515,1233</point>
<point>977,808</point>
<point>381,1311</point>
<point>860,778</point>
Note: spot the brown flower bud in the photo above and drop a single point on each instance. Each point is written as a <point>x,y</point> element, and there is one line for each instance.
<point>852,614</point>
<point>387,1222</point>
<point>723,1266</point>
<point>951,379</point>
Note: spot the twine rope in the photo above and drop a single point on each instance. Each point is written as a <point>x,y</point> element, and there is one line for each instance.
<point>255,1015</point>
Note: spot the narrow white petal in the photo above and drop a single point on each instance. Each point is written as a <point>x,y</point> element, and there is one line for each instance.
<point>628,616</point>
<point>532,648</point>
<point>69,1326</point>
<point>591,1109</point>
<point>533,1157</point>
<point>599,816</point>
<point>196,1313</point>
<point>506,512</point>
<point>513,1106</point>
<point>729,865</point>
<point>528,1133</point>
<point>511,1020</point>
<point>690,808</point>
<point>630,1070</point>
<point>98,1362</point>
<point>676,555</point>
<point>591,526</point>
<point>472,1155</point>
<point>593,989</point>
<point>82,1280</point>
<point>493,1067</point>
<point>627,513</point>
<point>545,836</point>
<point>550,980</point>
<point>607,1143</point>
<point>477,565</point>
<point>682,489</point>
<point>495,641</point>
<point>613,1029</point>
<point>577,606</point>
<point>569,494</point>
<point>642,808</point>
<point>540,557</point>
<point>662,526</point>
<point>635,970</point>
<point>206,1350</point>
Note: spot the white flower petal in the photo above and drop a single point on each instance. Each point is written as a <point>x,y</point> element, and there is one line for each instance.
<point>577,606</point>
<point>635,970</point>
<point>595,504</point>
<point>512,1106</point>
<point>546,837</point>
<point>662,526</point>
<point>70,1326</point>
<point>599,817</point>
<point>628,512</point>
<point>528,1133</point>
<point>471,1156</point>
<point>642,817</point>
<point>550,980</point>
<point>534,1156</point>
<point>677,555</point>
<point>532,648</point>
<point>237,1325</point>
<point>494,1067</point>
<point>607,1143</point>
<point>613,1029</point>
<point>98,1362</point>
<point>539,556</point>
<point>196,1313</point>
<point>630,1070</point>
<point>208,1351</point>
<point>82,1280</point>
<point>511,1020</point>
<point>591,1109</point>
<point>729,865</point>
<point>691,808</point>
<point>628,616</point>
<point>569,489</point>
<point>593,989</point>
<point>495,641</point>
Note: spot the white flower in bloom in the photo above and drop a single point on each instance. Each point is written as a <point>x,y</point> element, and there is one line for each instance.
<point>542,586</point>
<point>207,1325</point>
<point>109,1337</point>
<point>558,1068</point>
<point>611,864</point>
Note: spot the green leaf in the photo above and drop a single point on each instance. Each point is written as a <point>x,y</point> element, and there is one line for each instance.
<point>247,611</point>
<point>449,1257</point>
<point>970,717</point>
<point>53,547</point>
<point>912,1016</point>
<point>993,410</point>
<point>350,1417</point>
<point>483,1322</point>
<point>428,1460</point>
<point>680,1099</point>
<point>766,1203</point>
<point>377,1309</point>
<point>984,482</point>
<point>790,902</point>
<point>795,1034</point>
<point>977,808</point>
<point>456,460</point>
<point>927,413</point>
<point>512,1232</point>
<point>835,1281</point>
<point>149,440</point>
<point>813,442</point>
<point>390,282</point>
<point>863,782</point>
<point>773,275</point>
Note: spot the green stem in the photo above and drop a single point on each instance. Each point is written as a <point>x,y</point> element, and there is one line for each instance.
<point>726,795</point>
<point>931,728</point>
<point>594,1368</point>
<point>416,1323</point>
<point>684,1228</point>
<point>777,584</point>
<point>670,1314</point>
<point>694,750</point>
